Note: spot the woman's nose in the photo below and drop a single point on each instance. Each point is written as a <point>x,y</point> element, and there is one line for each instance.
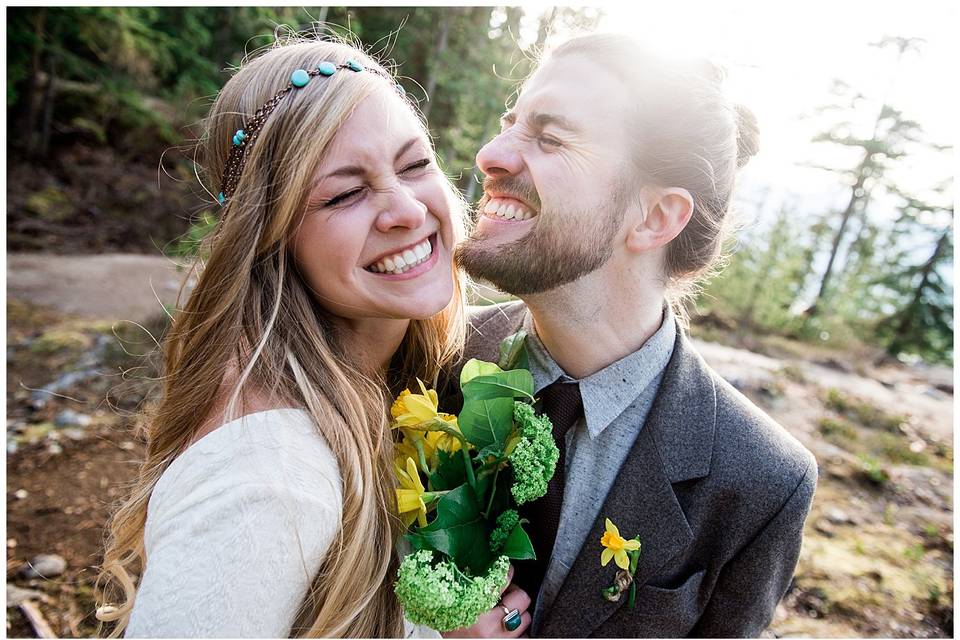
<point>403,209</point>
<point>499,157</point>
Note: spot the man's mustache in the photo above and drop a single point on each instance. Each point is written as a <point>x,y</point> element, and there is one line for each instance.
<point>513,186</point>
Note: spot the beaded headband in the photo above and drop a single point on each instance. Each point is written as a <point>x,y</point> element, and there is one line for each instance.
<point>247,134</point>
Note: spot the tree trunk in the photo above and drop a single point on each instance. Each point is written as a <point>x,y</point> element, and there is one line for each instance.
<point>546,28</point>
<point>36,59</point>
<point>436,59</point>
<point>813,309</point>
<point>908,311</point>
<point>49,97</point>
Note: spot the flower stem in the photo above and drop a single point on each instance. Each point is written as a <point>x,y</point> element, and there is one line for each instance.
<point>429,497</point>
<point>634,559</point>
<point>421,457</point>
<point>493,491</point>
<point>471,479</point>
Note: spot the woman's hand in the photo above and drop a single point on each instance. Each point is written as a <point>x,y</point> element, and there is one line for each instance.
<point>490,624</point>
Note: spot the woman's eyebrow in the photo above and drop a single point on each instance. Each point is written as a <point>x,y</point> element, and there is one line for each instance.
<point>351,170</point>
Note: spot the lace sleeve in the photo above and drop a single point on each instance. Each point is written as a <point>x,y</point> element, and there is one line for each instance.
<point>234,561</point>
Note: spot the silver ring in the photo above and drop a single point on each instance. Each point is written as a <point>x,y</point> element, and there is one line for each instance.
<point>511,621</point>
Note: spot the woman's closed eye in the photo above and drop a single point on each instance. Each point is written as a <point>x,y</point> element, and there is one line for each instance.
<point>419,164</point>
<point>344,197</point>
<point>353,194</point>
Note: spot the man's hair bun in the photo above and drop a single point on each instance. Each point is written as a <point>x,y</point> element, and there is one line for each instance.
<point>748,135</point>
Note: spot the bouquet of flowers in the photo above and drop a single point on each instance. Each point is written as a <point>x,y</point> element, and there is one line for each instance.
<point>460,479</point>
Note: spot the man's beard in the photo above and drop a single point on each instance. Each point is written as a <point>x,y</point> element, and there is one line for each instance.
<point>565,248</point>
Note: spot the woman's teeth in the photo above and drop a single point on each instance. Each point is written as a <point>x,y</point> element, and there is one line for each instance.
<point>508,209</point>
<point>404,261</point>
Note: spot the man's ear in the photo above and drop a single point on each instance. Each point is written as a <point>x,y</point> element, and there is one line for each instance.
<point>668,211</point>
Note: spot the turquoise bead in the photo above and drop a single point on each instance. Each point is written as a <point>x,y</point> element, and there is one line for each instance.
<point>236,140</point>
<point>354,65</point>
<point>240,134</point>
<point>327,68</point>
<point>299,78</point>
<point>220,198</point>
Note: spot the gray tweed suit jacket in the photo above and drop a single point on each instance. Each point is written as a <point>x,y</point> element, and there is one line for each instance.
<point>717,491</point>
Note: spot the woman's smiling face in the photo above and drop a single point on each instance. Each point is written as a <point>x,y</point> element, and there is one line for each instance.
<point>377,237</point>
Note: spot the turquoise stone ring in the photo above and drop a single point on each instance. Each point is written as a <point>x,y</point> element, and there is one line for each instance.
<point>511,621</point>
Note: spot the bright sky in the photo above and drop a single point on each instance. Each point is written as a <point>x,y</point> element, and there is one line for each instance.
<point>781,58</point>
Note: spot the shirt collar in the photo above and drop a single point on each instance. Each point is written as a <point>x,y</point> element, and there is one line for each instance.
<point>608,392</point>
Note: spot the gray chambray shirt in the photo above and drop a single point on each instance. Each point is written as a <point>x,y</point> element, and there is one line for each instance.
<point>616,401</point>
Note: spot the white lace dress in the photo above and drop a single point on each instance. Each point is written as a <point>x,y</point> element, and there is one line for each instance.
<point>236,529</point>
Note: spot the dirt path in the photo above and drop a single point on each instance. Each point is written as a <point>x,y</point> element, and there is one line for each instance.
<point>121,286</point>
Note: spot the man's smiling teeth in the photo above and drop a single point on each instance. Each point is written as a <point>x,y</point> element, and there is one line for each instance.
<point>508,209</point>
<point>405,261</point>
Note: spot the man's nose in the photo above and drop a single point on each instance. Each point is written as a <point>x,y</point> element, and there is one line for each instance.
<point>499,157</point>
<point>403,209</point>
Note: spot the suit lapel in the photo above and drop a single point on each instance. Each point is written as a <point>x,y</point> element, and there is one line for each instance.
<point>675,444</point>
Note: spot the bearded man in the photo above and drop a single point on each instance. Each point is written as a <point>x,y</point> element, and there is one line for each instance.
<point>606,198</point>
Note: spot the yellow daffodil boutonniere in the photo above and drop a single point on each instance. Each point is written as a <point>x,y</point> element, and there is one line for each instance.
<point>626,554</point>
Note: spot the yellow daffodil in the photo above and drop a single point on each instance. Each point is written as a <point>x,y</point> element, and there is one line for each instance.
<point>410,409</point>
<point>413,408</point>
<point>616,547</point>
<point>410,502</point>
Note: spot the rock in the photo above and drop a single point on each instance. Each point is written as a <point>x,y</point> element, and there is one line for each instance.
<point>11,447</point>
<point>54,448</point>
<point>824,527</point>
<point>11,543</point>
<point>74,434</point>
<point>835,364</point>
<point>70,418</point>
<point>40,397</point>
<point>45,565</point>
<point>838,516</point>
<point>16,595</point>
<point>20,494</point>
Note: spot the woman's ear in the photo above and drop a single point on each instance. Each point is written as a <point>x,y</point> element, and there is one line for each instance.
<point>667,212</point>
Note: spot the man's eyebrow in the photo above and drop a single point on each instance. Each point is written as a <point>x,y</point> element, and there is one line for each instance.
<point>541,120</point>
<point>544,119</point>
<point>354,170</point>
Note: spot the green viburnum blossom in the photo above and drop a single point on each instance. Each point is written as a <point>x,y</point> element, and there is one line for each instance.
<point>435,593</point>
<point>534,459</point>
<point>506,521</point>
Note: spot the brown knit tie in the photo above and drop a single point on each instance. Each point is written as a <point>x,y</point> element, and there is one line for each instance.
<point>563,405</point>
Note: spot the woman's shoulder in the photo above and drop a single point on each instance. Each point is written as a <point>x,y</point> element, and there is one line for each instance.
<point>277,448</point>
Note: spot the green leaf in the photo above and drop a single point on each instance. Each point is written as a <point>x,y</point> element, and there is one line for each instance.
<point>458,530</point>
<point>475,368</point>
<point>513,352</point>
<point>486,422</point>
<point>518,545</point>
<point>450,472</point>
<point>517,383</point>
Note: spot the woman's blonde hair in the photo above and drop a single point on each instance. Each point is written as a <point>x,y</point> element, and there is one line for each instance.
<point>253,313</point>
